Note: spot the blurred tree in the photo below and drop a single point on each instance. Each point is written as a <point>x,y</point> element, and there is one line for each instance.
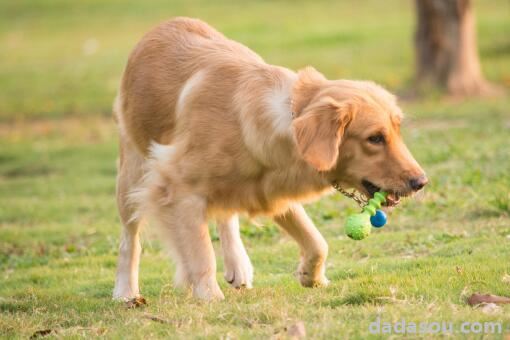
<point>446,50</point>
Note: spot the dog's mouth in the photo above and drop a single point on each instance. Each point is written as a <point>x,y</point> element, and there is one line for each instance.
<point>392,199</point>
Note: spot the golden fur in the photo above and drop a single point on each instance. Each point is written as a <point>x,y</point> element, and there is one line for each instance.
<point>208,129</point>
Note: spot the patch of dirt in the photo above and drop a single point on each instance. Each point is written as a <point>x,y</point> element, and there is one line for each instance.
<point>296,330</point>
<point>76,129</point>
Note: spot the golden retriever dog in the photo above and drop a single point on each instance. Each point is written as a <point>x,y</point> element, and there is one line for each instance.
<point>209,130</point>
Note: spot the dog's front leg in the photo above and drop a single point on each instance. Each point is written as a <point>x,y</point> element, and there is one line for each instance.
<point>238,268</point>
<point>314,248</point>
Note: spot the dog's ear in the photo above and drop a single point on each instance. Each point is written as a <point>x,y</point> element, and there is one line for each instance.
<point>306,87</point>
<point>319,130</point>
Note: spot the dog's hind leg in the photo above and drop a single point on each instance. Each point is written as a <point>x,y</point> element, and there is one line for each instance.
<point>183,221</point>
<point>238,269</point>
<point>314,248</point>
<point>130,171</point>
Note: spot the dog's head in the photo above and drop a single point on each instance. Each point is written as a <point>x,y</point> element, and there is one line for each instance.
<point>350,130</point>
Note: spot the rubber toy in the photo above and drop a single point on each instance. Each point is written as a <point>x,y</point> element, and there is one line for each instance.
<point>358,226</point>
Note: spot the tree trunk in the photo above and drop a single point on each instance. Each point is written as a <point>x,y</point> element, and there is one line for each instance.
<point>446,52</point>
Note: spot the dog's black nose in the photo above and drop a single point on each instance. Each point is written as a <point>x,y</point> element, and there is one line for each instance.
<point>417,183</point>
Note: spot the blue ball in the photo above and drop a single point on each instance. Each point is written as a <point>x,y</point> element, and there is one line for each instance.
<point>379,219</point>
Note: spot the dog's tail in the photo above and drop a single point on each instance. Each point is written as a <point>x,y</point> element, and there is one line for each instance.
<point>117,108</point>
<point>153,189</point>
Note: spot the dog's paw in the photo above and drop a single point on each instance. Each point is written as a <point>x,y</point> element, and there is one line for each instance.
<point>124,293</point>
<point>308,280</point>
<point>312,273</point>
<point>239,271</point>
<point>208,290</point>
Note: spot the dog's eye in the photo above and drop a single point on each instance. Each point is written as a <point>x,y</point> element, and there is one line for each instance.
<point>376,139</point>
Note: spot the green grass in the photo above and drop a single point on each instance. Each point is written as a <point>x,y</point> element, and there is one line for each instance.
<point>58,223</point>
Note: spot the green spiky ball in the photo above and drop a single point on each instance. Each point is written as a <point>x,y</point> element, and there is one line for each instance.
<point>358,226</point>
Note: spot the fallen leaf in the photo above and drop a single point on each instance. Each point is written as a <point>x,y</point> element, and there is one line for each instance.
<point>477,299</point>
<point>136,302</point>
<point>42,332</point>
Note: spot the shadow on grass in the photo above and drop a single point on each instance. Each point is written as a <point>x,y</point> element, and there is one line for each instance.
<point>356,299</point>
<point>496,50</point>
<point>480,214</point>
<point>14,307</point>
<point>28,171</point>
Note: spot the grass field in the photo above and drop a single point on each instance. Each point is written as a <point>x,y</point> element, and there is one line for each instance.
<point>60,64</point>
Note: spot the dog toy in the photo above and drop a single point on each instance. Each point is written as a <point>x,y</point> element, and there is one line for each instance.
<point>358,226</point>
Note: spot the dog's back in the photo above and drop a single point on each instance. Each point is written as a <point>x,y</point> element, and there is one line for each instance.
<point>157,72</point>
